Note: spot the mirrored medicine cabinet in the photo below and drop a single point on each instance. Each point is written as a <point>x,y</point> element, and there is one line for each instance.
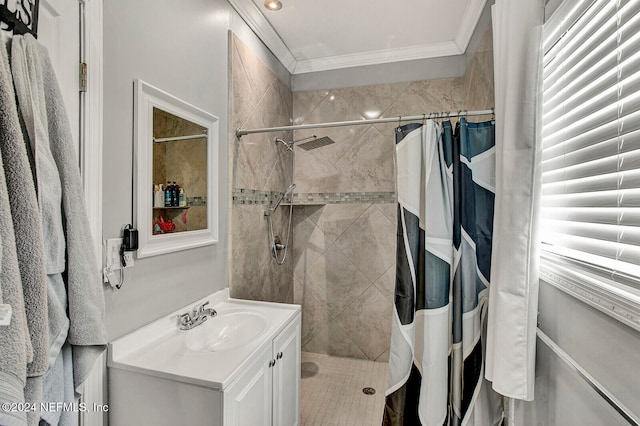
<point>176,186</point>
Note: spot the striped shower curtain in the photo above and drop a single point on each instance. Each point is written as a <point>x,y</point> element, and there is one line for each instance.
<point>446,182</point>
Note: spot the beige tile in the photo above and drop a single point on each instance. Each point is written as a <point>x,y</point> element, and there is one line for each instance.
<point>309,244</point>
<point>390,210</point>
<point>333,340</point>
<point>260,76</point>
<point>275,106</point>
<point>335,280</point>
<point>333,108</point>
<point>384,357</point>
<point>477,85</point>
<point>306,101</point>
<point>315,172</point>
<point>286,95</point>
<point>370,243</point>
<point>243,100</point>
<point>256,155</point>
<point>387,283</point>
<point>279,280</point>
<point>368,165</point>
<point>254,274</point>
<point>486,42</point>
<point>310,211</point>
<point>334,219</point>
<point>280,176</point>
<point>424,97</point>
<point>372,101</point>
<point>241,219</point>
<point>246,261</point>
<point>367,321</point>
<point>331,391</point>
<point>314,316</point>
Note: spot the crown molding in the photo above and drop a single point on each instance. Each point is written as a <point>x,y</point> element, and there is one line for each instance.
<point>254,18</point>
<point>468,23</point>
<point>434,50</point>
<point>265,32</point>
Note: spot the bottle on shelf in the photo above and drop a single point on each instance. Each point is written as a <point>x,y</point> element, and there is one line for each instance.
<point>156,195</point>
<point>160,197</point>
<point>183,198</point>
<point>176,194</point>
<point>168,195</point>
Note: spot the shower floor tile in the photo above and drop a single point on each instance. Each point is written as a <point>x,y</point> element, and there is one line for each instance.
<point>331,393</point>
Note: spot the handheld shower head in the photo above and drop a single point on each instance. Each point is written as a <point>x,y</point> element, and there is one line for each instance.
<point>270,210</point>
<point>289,190</point>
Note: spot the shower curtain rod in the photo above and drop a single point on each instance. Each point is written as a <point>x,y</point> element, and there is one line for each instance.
<point>433,115</point>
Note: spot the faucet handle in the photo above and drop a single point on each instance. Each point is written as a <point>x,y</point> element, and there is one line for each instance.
<point>200,308</point>
<point>185,319</point>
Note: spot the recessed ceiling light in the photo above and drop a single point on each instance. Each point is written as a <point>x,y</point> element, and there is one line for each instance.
<point>273,4</point>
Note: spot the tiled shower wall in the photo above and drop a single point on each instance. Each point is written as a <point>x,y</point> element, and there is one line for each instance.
<point>344,253</point>
<point>257,99</point>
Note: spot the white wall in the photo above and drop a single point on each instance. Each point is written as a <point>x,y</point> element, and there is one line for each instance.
<point>607,349</point>
<point>180,47</point>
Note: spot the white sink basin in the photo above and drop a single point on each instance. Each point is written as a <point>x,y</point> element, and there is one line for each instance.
<point>226,331</point>
<point>208,355</point>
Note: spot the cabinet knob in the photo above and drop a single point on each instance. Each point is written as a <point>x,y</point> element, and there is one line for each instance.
<point>279,355</point>
<point>272,363</point>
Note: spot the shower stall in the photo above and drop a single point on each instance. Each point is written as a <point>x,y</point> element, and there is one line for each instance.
<point>340,264</point>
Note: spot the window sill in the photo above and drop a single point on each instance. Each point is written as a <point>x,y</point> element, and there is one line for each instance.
<point>622,304</point>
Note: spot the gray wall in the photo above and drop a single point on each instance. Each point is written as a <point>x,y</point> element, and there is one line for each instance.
<point>182,48</point>
<point>607,349</point>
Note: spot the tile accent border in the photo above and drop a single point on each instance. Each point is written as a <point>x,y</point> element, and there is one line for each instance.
<point>344,198</point>
<point>196,201</point>
<point>256,196</point>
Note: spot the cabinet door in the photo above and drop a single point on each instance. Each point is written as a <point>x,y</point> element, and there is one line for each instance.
<point>286,376</point>
<point>247,402</point>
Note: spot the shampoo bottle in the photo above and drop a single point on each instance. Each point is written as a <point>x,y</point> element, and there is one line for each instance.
<point>176,194</point>
<point>183,198</point>
<point>168,199</point>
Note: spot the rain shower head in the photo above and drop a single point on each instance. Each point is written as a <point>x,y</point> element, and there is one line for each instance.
<point>316,143</point>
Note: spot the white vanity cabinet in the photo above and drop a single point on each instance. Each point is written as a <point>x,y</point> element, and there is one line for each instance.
<point>268,392</point>
<point>161,375</point>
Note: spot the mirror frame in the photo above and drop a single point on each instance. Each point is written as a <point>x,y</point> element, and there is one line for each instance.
<point>146,97</point>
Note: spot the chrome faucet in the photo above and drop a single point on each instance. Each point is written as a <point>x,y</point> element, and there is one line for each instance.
<point>187,321</point>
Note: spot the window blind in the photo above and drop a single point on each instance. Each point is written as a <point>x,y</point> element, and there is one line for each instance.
<point>590,213</point>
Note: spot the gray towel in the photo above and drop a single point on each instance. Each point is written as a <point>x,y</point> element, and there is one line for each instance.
<point>41,104</point>
<point>61,372</point>
<point>15,344</point>
<point>26,225</point>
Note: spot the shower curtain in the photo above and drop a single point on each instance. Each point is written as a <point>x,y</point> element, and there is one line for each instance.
<point>446,183</point>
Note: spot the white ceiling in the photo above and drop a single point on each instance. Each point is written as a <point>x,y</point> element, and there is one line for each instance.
<point>319,35</point>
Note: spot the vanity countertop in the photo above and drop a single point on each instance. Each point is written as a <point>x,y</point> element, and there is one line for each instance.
<point>158,349</point>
